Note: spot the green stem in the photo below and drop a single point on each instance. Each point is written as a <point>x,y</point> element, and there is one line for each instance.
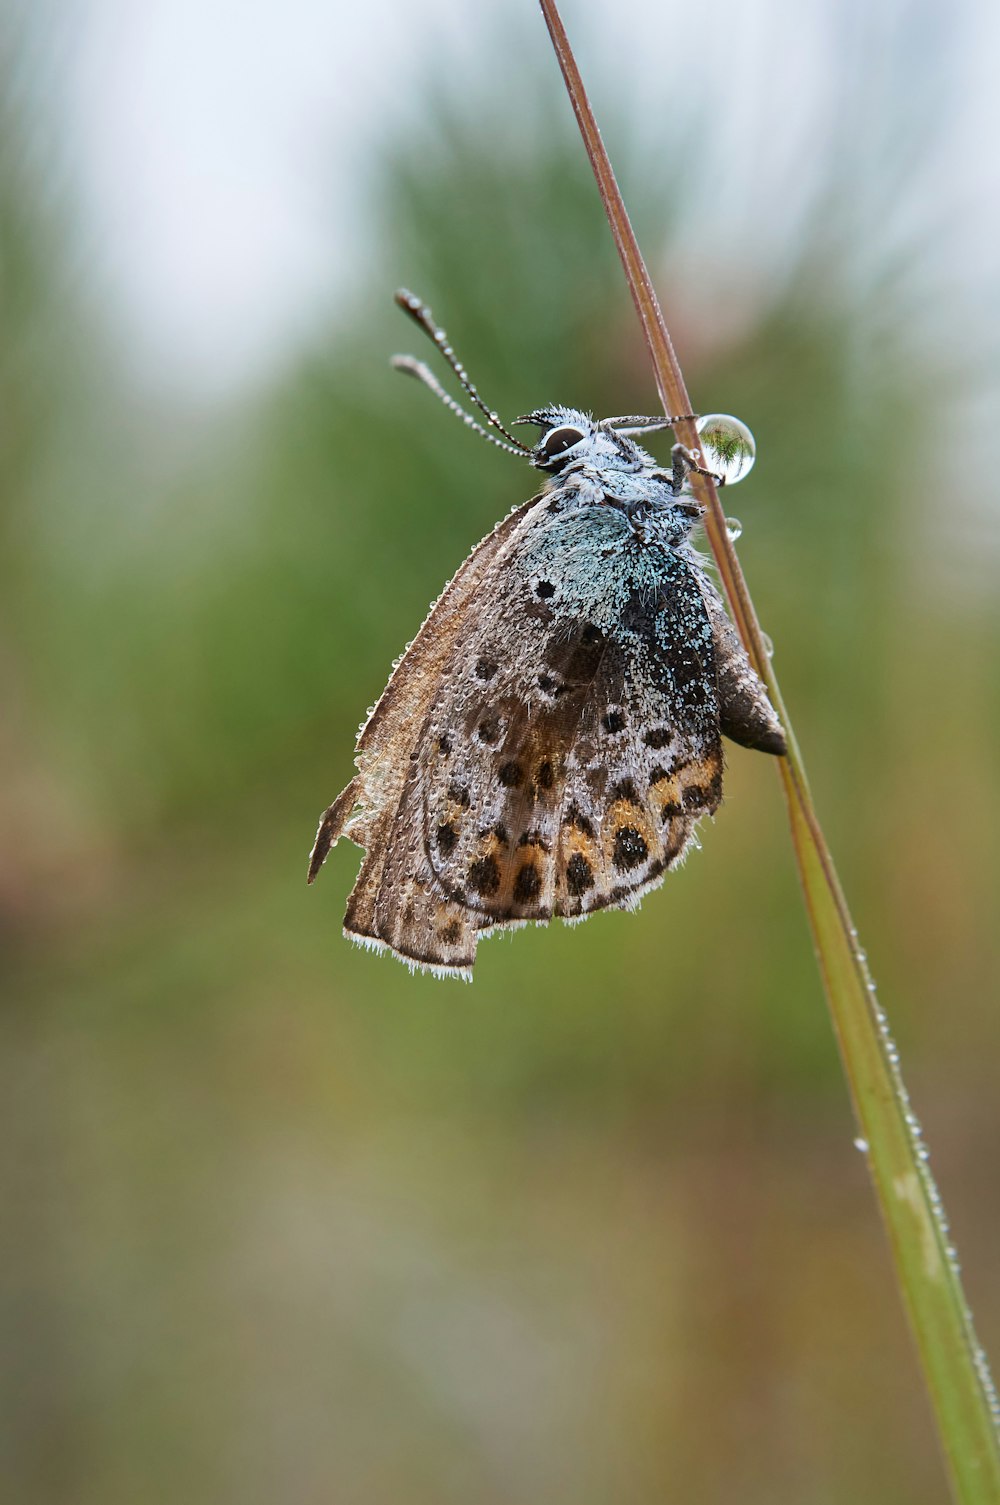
<point>955,1367</point>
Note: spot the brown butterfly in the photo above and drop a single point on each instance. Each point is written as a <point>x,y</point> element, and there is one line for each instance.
<point>552,736</point>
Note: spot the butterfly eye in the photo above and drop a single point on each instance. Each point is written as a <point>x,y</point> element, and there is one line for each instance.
<point>556,441</point>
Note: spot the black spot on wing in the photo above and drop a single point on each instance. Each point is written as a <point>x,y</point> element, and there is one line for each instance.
<point>447,838</point>
<point>575,819</point>
<point>484,876</point>
<point>626,790</point>
<point>579,875</point>
<point>630,849</point>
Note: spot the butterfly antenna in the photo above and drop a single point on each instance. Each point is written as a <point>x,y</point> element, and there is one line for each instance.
<point>413,367</point>
<point>422,316</point>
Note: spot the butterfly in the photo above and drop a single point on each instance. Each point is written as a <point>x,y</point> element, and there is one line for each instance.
<point>549,741</point>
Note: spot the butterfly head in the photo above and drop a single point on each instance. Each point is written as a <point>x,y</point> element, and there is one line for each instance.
<point>570,436</point>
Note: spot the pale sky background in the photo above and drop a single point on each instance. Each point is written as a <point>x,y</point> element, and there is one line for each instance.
<point>219,148</point>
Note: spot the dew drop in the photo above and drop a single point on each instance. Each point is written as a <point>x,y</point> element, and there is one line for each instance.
<point>728,446</point>
<point>734,528</point>
<point>768,644</point>
<point>862,1145</point>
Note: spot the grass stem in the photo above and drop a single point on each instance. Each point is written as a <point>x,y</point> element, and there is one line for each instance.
<point>961,1390</point>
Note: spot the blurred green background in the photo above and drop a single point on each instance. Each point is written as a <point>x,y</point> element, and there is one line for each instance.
<point>282,1222</point>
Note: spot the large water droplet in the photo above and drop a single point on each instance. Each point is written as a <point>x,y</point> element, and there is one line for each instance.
<point>734,528</point>
<point>727,446</point>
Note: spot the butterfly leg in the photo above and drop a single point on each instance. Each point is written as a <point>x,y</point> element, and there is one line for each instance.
<point>684,463</point>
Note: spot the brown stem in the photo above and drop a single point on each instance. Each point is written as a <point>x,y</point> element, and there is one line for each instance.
<point>954,1365</point>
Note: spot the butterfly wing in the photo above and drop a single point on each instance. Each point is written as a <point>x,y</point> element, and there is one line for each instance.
<point>746,715</point>
<point>396,898</point>
<point>548,742</point>
<point>574,742</point>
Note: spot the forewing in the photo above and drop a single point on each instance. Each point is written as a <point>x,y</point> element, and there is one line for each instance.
<point>574,740</point>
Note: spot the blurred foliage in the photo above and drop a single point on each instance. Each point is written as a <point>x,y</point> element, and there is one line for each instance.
<point>287,1223</point>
